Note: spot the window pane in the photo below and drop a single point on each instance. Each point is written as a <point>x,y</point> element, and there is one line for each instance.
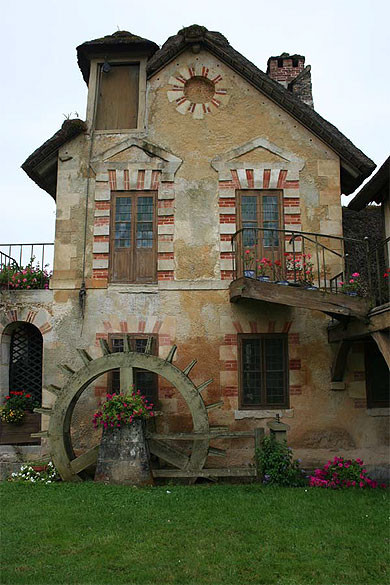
<point>251,371</point>
<point>274,370</point>
<point>144,235</point>
<point>270,219</point>
<point>123,222</point>
<point>249,220</point>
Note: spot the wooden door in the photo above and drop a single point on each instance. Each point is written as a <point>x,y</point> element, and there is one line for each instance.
<point>260,209</point>
<point>133,246</point>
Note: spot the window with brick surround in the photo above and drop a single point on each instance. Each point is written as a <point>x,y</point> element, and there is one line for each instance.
<point>133,239</point>
<point>144,380</point>
<point>263,371</point>
<point>377,377</point>
<point>261,209</point>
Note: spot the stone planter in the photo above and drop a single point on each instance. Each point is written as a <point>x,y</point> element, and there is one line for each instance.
<point>124,456</point>
<point>12,434</point>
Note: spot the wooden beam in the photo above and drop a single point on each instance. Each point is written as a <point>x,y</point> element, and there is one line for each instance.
<point>383,342</point>
<point>85,460</point>
<point>201,436</point>
<point>340,360</point>
<point>169,454</point>
<point>355,329</point>
<point>84,355</point>
<point>224,472</point>
<point>336,305</point>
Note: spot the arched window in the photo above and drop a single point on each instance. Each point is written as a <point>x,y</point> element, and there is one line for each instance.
<point>25,360</point>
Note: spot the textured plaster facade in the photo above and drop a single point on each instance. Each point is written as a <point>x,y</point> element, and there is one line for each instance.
<point>196,165</point>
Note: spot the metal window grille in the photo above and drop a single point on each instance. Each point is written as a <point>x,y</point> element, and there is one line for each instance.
<point>25,366</point>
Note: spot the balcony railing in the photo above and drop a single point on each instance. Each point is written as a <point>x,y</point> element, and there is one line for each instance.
<point>25,266</point>
<point>311,260</point>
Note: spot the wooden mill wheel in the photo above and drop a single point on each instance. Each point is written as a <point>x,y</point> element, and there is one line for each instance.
<point>70,467</point>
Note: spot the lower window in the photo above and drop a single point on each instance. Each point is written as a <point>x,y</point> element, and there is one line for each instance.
<point>263,371</point>
<point>146,382</point>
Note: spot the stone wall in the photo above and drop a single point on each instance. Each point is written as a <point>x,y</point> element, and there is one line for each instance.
<point>196,159</point>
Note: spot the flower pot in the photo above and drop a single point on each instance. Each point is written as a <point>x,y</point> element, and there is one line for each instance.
<point>39,468</point>
<point>249,273</point>
<point>124,456</point>
<point>14,434</point>
<point>263,278</point>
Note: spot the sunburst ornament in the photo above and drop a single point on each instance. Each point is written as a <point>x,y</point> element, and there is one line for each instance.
<point>197,90</point>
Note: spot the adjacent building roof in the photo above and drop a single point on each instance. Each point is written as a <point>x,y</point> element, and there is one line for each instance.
<point>41,165</point>
<point>119,42</point>
<point>376,190</point>
<point>355,165</point>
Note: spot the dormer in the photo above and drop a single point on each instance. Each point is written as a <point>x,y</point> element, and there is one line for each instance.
<point>114,68</point>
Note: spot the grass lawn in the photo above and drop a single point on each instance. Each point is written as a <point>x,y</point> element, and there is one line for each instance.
<point>91,534</point>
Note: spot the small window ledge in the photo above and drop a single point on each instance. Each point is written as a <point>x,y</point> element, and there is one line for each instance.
<point>133,288</point>
<point>378,411</point>
<point>282,412</point>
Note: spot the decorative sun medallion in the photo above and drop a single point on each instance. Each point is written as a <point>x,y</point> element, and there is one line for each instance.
<point>196,90</point>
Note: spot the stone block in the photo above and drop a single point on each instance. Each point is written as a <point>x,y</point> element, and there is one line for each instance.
<point>165,246</point>
<point>166,229</point>
<point>101,230</point>
<point>226,264</point>
<point>227,228</point>
<point>101,247</point>
<point>165,264</point>
<point>356,389</point>
<point>102,213</point>
<point>99,263</point>
<point>228,352</point>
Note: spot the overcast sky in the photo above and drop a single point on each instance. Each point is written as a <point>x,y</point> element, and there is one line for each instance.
<point>346,42</point>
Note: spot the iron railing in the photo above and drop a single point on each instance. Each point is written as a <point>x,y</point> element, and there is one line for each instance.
<point>36,258</point>
<point>309,259</point>
<point>380,271</point>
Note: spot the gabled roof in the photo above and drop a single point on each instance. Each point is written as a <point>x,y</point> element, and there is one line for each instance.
<point>376,190</point>
<point>41,165</point>
<point>355,165</point>
<point>121,41</point>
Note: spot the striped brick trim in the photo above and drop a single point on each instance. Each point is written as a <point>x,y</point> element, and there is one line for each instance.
<point>257,178</point>
<point>132,180</point>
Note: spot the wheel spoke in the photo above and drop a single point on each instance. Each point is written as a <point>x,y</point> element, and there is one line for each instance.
<point>85,460</point>
<point>169,454</point>
<point>126,379</point>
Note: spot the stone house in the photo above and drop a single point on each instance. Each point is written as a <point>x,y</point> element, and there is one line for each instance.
<point>193,176</point>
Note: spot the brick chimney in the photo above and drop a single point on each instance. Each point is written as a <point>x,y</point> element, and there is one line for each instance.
<point>290,71</point>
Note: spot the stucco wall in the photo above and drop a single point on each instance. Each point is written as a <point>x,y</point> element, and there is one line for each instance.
<point>189,306</point>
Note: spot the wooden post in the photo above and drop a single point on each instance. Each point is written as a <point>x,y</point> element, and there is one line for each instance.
<point>259,436</point>
<point>126,380</point>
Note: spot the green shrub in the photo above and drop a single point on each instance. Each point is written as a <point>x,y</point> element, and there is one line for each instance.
<point>277,466</point>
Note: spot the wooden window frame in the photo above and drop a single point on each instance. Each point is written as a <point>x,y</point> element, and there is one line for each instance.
<point>263,404</point>
<point>132,251</point>
<point>272,251</point>
<point>133,336</point>
<point>103,111</point>
<point>93,85</point>
<point>372,402</point>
